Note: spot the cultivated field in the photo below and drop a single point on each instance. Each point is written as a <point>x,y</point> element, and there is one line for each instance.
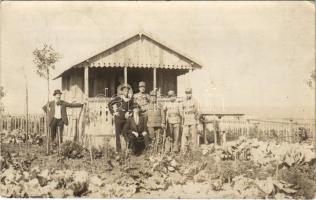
<point>243,168</point>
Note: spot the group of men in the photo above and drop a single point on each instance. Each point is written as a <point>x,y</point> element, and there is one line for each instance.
<point>141,120</point>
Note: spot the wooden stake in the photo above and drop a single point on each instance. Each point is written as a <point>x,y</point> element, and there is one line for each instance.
<point>90,148</point>
<point>47,111</point>
<point>164,140</point>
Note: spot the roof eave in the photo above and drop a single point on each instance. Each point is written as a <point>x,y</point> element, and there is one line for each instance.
<point>140,35</point>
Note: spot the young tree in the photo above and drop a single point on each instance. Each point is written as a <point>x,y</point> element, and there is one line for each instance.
<point>44,60</point>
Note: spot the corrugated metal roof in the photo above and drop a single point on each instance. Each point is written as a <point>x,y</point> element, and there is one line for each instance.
<point>139,51</point>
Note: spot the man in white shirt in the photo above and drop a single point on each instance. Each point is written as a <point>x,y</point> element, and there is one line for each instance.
<point>57,114</point>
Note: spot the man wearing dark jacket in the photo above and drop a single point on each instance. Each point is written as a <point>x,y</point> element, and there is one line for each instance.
<point>57,114</point>
<point>135,131</point>
<point>120,107</point>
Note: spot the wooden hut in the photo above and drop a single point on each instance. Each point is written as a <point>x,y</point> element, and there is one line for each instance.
<point>138,58</point>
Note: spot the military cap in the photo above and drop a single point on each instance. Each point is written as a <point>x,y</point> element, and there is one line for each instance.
<point>142,84</point>
<point>152,93</point>
<point>171,93</point>
<point>188,90</point>
<point>57,92</point>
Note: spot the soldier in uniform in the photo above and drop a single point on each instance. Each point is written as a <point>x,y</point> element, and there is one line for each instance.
<point>142,99</point>
<point>190,116</point>
<point>173,119</point>
<point>155,122</point>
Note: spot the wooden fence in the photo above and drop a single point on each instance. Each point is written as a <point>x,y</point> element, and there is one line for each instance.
<point>36,123</point>
<point>101,122</point>
<point>285,131</point>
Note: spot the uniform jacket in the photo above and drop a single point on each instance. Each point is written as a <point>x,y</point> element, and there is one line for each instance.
<point>172,110</point>
<point>189,112</point>
<point>51,110</point>
<point>142,99</point>
<point>155,114</point>
<point>118,104</point>
<point>130,125</point>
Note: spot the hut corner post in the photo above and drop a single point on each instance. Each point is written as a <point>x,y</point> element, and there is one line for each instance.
<point>86,94</point>
<point>86,81</point>
<point>125,75</point>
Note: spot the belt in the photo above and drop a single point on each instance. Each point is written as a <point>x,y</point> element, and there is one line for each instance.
<point>173,114</point>
<point>189,112</point>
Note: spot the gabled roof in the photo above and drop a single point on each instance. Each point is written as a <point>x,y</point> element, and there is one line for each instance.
<point>140,51</point>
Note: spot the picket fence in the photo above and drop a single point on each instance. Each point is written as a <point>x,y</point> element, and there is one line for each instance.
<point>287,131</point>
<point>35,124</point>
<point>281,131</point>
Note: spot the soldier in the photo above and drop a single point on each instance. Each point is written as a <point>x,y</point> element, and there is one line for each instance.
<point>190,116</point>
<point>156,119</point>
<point>173,119</point>
<point>142,99</point>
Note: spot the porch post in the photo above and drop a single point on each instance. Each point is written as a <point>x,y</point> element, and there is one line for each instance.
<point>125,75</point>
<point>190,75</point>
<point>155,79</point>
<point>86,81</point>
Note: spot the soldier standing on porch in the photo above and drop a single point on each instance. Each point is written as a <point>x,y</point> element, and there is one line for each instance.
<point>190,116</point>
<point>57,114</point>
<point>155,122</point>
<point>142,99</point>
<point>173,119</point>
<point>121,108</point>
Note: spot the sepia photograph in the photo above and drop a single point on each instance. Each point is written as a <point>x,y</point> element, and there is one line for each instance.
<point>157,99</point>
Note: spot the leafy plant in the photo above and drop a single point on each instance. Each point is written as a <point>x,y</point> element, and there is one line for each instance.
<point>71,149</point>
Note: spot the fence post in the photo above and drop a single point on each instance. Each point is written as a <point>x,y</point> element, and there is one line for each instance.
<point>9,124</point>
<point>1,122</point>
<point>291,129</point>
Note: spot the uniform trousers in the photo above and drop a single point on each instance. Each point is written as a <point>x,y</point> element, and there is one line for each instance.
<point>174,131</point>
<point>189,133</point>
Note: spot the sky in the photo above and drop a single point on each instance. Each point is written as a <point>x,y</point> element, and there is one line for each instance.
<point>254,54</point>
